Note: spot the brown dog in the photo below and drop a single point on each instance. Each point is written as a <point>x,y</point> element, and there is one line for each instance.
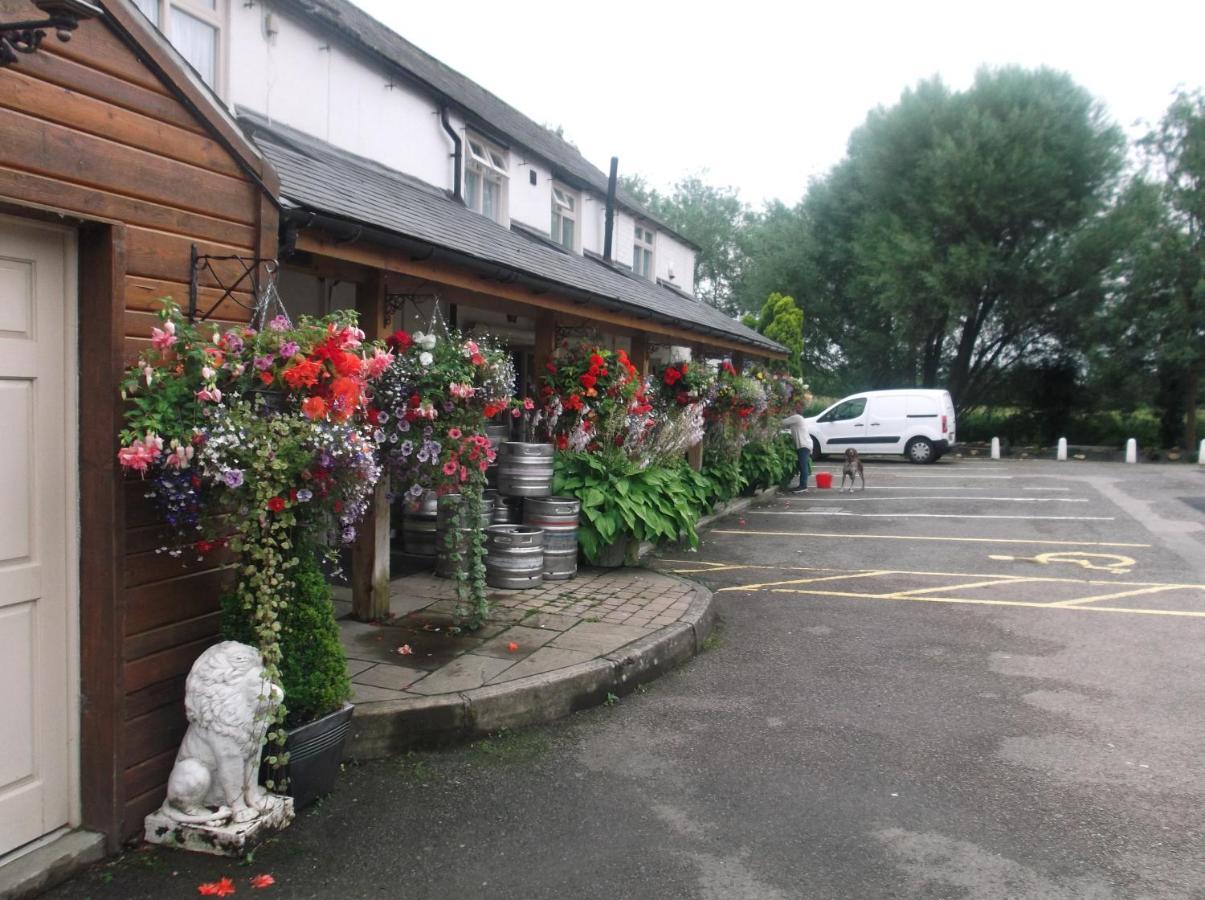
<point>852,467</point>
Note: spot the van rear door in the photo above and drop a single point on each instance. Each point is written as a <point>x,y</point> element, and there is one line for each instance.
<point>948,420</point>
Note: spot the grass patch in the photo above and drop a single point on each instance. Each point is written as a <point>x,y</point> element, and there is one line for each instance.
<point>507,747</point>
<point>713,641</point>
<point>416,768</point>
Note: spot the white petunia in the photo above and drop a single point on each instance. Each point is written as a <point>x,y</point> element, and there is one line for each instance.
<point>426,358</point>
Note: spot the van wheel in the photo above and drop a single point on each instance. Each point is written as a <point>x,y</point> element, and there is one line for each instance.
<point>816,454</point>
<point>921,450</point>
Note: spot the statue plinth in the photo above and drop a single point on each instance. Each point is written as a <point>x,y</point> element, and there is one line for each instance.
<point>231,839</point>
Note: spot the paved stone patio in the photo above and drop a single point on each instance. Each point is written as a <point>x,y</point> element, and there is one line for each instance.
<point>529,632</point>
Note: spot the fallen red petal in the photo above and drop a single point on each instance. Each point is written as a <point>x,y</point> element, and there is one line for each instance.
<point>262,881</point>
<point>512,646</point>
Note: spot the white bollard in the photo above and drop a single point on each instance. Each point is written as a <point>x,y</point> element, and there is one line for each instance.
<point>1201,454</point>
<point>1062,449</point>
<point>1131,451</point>
<point>996,447</point>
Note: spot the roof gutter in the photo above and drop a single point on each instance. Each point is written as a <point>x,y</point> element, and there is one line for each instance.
<point>346,231</point>
<point>457,153</point>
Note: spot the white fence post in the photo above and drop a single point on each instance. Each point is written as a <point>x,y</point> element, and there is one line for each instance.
<point>996,447</point>
<point>1201,454</point>
<point>1131,451</point>
<point>1062,449</point>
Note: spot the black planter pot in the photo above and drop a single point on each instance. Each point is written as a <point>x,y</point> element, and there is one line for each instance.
<point>315,751</point>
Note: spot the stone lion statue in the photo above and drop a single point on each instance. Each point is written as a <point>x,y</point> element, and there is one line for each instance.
<point>229,703</point>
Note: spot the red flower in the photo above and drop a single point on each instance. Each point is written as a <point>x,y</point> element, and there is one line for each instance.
<point>596,361</point>
<point>672,376</point>
<point>588,381</point>
<point>685,368</point>
<point>374,415</point>
<point>223,888</point>
<point>415,401</point>
<point>276,504</point>
<point>265,377</point>
<point>573,402</point>
<point>302,374</point>
<point>346,364</point>
<point>204,547</point>
<point>512,647</point>
<point>262,881</point>
<point>313,408</point>
<point>562,442</point>
<point>398,341</point>
<point>683,398</point>
<point>550,367</point>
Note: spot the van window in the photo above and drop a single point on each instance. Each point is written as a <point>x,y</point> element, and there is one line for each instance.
<point>846,409</point>
<point>887,407</point>
<point>921,407</point>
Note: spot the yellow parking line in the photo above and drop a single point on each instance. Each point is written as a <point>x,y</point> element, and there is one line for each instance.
<point>770,584</point>
<point>1006,579</point>
<point>1153,589</point>
<point>982,602</point>
<point>919,537</point>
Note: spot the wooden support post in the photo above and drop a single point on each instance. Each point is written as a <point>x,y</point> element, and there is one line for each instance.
<point>370,554</point>
<point>640,353</point>
<point>738,362</point>
<point>694,456</point>
<point>545,347</point>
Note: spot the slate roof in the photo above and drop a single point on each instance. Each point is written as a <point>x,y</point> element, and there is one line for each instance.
<point>495,114</point>
<point>318,177</point>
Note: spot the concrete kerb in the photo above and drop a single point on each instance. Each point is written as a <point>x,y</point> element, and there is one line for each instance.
<point>397,726</point>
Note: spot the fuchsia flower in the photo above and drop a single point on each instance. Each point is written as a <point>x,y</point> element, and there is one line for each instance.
<point>180,457</point>
<point>463,391</point>
<point>212,394</point>
<point>141,452</point>
<point>164,338</point>
<point>375,365</point>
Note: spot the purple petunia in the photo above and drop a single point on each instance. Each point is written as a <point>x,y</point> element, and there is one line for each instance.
<point>264,362</point>
<point>289,349</point>
<point>233,478</point>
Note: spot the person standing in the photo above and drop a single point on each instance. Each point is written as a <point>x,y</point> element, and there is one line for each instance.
<point>798,427</point>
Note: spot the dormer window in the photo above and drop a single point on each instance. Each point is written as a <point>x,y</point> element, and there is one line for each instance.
<point>564,218</point>
<point>642,252</point>
<point>485,177</point>
<point>195,29</point>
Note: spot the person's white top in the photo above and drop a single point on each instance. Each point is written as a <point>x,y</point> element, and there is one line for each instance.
<point>798,427</point>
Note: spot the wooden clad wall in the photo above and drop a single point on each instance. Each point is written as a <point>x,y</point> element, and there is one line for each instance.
<point>90,129</point>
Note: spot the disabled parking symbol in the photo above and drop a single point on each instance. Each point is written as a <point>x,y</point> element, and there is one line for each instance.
<point>1113,563</point>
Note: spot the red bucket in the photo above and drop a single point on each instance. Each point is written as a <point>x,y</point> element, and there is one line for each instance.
<point>824,479</point>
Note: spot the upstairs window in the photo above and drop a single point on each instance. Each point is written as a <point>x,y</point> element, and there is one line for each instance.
<point>195,29</point>
<point>485,178</point>
<point>564,218</point>
<point>642,252</point>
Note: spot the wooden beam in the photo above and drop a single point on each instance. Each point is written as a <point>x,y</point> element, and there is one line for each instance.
<point>545,347</point>
<point>640,353</point>
<point>393,260</point>
<point>370,553</point>
<point>102,534</point>
<point>694,456</point>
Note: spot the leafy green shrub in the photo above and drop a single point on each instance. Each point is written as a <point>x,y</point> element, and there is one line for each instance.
<point>723,476</point>
<point>313,668</point>
<point>763,465</point>
<point>620,499</point>
<point>1100,428</point>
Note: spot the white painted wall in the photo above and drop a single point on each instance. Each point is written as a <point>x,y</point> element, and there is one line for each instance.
<point>298,78</point>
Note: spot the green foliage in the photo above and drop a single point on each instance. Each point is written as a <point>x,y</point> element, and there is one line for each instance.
<point>723,475</point>
<point>781,320</point>
<point>764,465</point>
<point>621,500</point>
<point>313,668</point>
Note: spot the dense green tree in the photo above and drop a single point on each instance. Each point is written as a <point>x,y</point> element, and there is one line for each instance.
<point>713,218</point>
<point>965,232</point>
<point>781,320</point>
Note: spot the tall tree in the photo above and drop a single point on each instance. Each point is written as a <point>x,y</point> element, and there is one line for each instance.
<point>964,231</point>
<point>781,320</point>
<point>712,217</point>
<point>1174,281</point>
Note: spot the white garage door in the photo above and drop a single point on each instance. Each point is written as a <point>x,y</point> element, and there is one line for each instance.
<point>37,531</point>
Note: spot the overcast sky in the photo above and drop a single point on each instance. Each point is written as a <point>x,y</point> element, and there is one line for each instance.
<point>763,95</point>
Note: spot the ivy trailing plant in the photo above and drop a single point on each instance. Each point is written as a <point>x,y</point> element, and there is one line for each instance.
<point>620,500</point>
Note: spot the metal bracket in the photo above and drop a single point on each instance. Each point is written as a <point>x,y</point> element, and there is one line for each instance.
<point>249,278</point>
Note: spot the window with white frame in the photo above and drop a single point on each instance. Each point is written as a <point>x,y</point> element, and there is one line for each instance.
<point>564,218</point>
<point>485,179</point>
<point>642,252</point>
<point>195,29</point>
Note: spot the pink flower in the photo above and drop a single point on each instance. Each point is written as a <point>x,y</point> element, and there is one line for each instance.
<point>450,468</point>
<point>375,365</point>
<point>180,456</point>
<point>141,452</point>
<point>464,474</point>
<point>516,412</point>
<point>454,433</point>
<point>212,394</point>
<point>463,391</point>
<point>528,403</point>
<point>405,650</point>
<point>164,338</point>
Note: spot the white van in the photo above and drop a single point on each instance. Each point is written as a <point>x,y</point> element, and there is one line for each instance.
<point>917,423</point>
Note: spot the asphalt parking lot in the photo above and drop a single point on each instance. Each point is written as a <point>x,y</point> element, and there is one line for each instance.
<point>973,680</point>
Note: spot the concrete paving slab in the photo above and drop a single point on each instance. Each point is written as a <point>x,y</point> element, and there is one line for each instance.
<point>599,638</point>
<point>528,639</point>
<point>391,677</point>
<point>366,693</point>
<point>465,673</point>
<point>546,659</point>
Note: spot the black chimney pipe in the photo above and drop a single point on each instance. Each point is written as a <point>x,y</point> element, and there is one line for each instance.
<point>457,152</point>
<point>609,227</point>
